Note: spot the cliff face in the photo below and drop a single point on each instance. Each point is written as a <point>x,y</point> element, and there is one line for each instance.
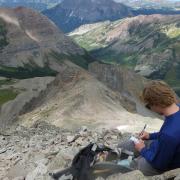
<point>126,82</point>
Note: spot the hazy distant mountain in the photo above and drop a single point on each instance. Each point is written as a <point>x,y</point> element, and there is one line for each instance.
<point>70,14</point>
<point>148,7</point>
<point>150,3</point>
<point>34,4</point>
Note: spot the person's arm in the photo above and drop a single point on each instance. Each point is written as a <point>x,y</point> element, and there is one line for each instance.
<point>153,135</point>
<point>161,152</point>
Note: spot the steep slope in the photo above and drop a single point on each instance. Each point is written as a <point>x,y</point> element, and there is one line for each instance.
<point>148,44</point>
<point>39,5</point>
<point>73,98</point>
<point>32,48</point>
<point>31,45</point>
<point>126,82</point>
<point>70,14</point>
<point>76,98</point>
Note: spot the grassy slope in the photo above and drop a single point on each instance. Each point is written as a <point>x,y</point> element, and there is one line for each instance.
<point>166,36</point>
<point>7,95</point>
<point>95,41</point>
<point>32,70</point>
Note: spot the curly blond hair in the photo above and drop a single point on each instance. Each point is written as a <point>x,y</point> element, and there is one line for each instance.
<point>158,93</point>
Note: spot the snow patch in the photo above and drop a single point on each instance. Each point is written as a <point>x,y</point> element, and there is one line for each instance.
<point>32,36</point>
<point>9,19</point>
<point>71,14</point>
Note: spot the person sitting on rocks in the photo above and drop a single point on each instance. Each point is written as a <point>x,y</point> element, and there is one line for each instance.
<point>160,151</point>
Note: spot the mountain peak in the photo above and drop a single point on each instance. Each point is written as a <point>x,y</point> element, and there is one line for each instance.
<point>31,35</point>
<point>70,14</point>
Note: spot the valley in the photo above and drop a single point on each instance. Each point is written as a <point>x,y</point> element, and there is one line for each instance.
<point>149,45</point>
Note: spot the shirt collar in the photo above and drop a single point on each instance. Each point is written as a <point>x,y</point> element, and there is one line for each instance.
<point>172,115</point>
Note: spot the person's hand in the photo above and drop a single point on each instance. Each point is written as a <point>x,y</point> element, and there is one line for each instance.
<point>144,135</point>
<point>139,146</point>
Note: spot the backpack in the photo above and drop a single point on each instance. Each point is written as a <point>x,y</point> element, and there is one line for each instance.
<point>94,161</point>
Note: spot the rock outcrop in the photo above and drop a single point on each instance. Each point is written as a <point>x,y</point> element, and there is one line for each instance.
<point>124,81</point>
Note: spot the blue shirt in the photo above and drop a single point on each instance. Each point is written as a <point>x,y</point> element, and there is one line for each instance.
<point>164,152</point>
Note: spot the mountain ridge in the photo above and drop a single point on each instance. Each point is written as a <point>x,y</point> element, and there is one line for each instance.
<point>69,15</point>
<point>32,49</point>
<point>30,45</point>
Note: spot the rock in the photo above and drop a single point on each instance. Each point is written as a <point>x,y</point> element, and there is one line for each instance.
<point>37,173</point>
<point>83,131</point>
<point>84,128</point>
<point>3,150</point>
<point>36,162</point>
<point>99,178</point>
<point>172,173</point>
<point>19,178</point>
<point>42,161</point>
<point>70,139</point>
<point>128,176</point>
<point>52,153</point>
<point>178,177</point>
<point>20,170</point>
<point>64,156</point>
<point>167,175</point>
<point>80,142</point>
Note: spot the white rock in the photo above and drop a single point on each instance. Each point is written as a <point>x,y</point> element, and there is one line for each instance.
<point>40,170</point>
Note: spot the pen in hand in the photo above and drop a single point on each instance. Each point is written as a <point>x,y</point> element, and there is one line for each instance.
<point>141,133</point>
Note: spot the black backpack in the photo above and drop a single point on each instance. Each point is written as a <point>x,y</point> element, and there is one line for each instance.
<point>86,164</point>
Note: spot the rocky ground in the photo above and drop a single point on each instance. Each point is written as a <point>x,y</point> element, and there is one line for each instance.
<point>31,153</point>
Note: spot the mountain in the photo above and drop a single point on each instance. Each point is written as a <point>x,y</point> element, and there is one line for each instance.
<point>75,98</point>
<point>148,7</point>
<point>34,4</point>
<point>31,47</point>
<point>70,14</point>
<point>150,45</point>
<point>27,47</point>
<point>150,3</point>
<point>44,77</point>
